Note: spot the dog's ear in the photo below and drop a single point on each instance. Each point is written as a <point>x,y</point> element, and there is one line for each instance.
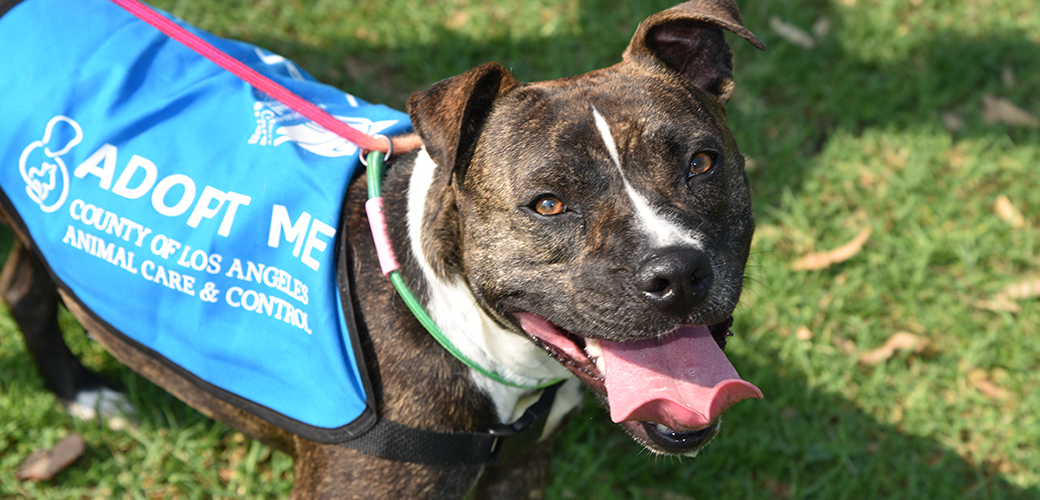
<point>688,39</point>
<point>450,115</point>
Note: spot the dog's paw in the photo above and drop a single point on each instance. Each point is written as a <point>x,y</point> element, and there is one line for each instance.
<point>104,404</point>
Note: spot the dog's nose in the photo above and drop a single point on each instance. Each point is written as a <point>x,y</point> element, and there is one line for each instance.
<point>675,279</point>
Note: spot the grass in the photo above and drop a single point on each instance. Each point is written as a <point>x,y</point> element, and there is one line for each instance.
<point>853,133</point>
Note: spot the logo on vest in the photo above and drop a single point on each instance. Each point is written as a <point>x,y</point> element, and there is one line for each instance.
<point>45,174</point>
<point>277,124</point>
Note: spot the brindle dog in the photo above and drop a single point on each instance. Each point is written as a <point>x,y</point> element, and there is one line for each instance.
<point>581,227</point>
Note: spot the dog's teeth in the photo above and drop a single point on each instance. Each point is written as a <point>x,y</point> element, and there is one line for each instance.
<point>593,349</point>
<point>663,428</point>
<point>595,353</point>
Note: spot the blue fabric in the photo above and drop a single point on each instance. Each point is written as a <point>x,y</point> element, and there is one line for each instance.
<point>184,208</point>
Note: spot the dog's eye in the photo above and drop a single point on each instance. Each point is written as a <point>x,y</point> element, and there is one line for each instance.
<point>549,205</point>
<point>701,163</point>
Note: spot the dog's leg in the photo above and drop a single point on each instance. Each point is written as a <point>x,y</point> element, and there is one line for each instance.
<point>32,300</point>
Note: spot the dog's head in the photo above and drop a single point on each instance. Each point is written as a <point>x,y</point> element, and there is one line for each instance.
<point>606,216</point>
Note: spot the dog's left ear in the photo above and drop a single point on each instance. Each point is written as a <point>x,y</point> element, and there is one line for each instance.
<point>450,115</point>
<point>688,39</point>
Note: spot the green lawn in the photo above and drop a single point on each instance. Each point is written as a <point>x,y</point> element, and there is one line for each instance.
<point>880,125</point>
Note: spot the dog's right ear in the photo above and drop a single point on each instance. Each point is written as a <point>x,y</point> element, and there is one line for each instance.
<point>450,115</point>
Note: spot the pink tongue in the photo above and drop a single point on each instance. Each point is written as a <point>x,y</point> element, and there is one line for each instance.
<point>681,380</point>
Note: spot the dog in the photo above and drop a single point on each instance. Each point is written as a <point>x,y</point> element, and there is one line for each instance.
<point>588,233</point>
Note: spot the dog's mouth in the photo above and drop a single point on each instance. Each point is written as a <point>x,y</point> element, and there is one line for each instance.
<point>667,391</point>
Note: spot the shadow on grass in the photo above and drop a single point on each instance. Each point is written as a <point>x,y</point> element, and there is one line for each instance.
<point>796,443</point>
<point>794,98</point>
<point>171,450</point>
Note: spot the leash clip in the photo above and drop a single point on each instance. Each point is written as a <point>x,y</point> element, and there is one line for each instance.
<point>527,429</point>
<point>503,447</point>
<point>389,149</point>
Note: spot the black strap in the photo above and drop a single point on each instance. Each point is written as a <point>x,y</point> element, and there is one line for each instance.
<point>394,441</point>
<point>6,5</point>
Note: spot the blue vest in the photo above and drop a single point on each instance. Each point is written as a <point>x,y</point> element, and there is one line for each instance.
<point>189,212</point>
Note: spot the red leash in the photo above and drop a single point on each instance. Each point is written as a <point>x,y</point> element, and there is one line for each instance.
<point>266,85</point>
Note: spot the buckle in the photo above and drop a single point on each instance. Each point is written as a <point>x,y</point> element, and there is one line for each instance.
<point>525,430</point>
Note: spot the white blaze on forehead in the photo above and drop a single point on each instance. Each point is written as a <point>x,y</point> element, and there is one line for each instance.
<point>608,138</point>
<point>664,231</point>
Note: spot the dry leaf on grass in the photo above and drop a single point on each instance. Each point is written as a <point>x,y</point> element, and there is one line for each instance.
<point>981,381</point>
<point>821,28</point>
<point>1004,301</point>
<point>227,475</point>
<point>844,345</point>
<point>44,464</point>
<point>1029,289</point>
<point>457,20</point>
<point>902,341</point>
<point>1008,213</point>
<point>998,304</point>
<point>1007,76</point>
<point>777,488</point>
<point>999,110</point>
<point>823,260</point>
<point>791,33</point>
<point>953,121</point>
<point>990,389</point>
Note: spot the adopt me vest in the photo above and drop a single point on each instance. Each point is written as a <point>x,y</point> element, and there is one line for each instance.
<point>188,211</point>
